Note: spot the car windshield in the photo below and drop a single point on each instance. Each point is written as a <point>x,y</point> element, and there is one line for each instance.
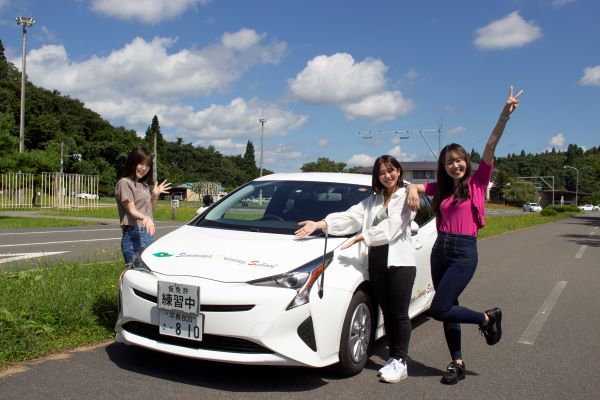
<point>278,206</point>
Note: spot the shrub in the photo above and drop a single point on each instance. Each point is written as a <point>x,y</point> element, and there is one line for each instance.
<point>549,212</point>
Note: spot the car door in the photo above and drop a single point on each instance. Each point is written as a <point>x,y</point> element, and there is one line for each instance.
<point>423,241</point>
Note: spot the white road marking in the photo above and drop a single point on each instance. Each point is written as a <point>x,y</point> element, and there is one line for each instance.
<point>581,251</point>
<point>536,324</point>
<point>23,256</point>
<point>63,242</point>
<point>77,231</point>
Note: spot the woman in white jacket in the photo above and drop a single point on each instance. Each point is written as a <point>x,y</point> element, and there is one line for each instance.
<point>383,223</point>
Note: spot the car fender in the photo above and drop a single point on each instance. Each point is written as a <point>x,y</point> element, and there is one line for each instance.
<point>342,279</point>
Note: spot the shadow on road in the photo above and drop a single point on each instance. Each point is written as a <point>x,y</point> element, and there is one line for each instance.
<point>588,240</point>
<point>214,375</point>
<point>245,378</point>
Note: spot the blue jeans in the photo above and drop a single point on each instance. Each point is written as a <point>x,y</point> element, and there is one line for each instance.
<point>135,239</point>
<point>453,262</point>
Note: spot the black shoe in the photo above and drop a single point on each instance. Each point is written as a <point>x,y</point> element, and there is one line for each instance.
<point>454,373</point>
<point>493,330</point>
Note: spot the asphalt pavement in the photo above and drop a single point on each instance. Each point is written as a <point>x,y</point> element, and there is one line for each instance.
<point>545,278</point>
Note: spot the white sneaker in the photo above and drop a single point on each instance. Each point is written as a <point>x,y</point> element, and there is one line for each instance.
<point>385,366</point>
<point>395,372</point>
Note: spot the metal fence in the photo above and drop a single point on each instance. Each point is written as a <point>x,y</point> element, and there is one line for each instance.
<point>17,190</point>
<point>68,190</point>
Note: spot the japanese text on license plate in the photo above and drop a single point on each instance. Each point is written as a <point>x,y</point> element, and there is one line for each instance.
<point>178,297</point>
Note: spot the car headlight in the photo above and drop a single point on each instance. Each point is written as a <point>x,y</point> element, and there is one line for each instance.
<point>301,279</point>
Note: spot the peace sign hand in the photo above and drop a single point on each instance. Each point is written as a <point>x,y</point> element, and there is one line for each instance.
<point>513,101</point>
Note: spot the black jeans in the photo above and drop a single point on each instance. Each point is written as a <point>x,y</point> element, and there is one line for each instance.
<point>393,289</point>
<point>453,262</point>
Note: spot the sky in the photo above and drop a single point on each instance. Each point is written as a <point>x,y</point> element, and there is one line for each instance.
<point>344,79</point>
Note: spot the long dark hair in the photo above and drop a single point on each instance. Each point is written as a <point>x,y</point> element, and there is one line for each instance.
<point>139,155</point>
<point>388,161</point>
<point>445,187</point>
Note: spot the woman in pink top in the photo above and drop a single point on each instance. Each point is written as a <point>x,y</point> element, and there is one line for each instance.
<point>458,201</point>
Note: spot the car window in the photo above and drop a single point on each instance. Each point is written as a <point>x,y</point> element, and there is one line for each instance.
<point>278,206</point>
<point>425,212</point>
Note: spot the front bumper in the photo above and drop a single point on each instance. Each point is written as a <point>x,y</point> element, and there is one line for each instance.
<point>243,323</point>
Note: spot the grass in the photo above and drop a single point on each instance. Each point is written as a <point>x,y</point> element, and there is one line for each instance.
<point>64,305</point>
<point>21,222</point>
<point>163,212</point>
<point>495,225</point>
<point>56,307</point>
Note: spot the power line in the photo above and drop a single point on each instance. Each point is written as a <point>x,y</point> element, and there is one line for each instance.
<point>371,134</point>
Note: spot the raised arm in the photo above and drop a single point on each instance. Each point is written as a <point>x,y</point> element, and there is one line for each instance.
<point>511,104</point>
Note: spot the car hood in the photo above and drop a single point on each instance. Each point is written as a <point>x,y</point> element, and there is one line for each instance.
<point>231,256</point>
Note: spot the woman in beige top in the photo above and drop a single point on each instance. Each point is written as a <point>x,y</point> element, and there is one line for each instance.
<point>135,202</point>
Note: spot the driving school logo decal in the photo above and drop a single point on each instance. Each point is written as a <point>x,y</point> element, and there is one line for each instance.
<point>162,254</point>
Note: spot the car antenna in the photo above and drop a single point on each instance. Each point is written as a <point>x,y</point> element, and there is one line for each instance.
<point>323,266</point>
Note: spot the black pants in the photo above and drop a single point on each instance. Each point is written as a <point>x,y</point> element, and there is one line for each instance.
<point>393,289</point>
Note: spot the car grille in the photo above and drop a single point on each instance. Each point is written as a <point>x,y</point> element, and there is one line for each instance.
<point>203,307</point>
<point>209,342</point>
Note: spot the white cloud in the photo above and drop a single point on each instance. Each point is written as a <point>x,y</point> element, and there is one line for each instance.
<point>383,106</point>
<point>591,76</point>
<point>323,143</point>
<point>560,3</point>
<point>150,12</point>
<point>400,155</point>
<point>557,141</point>
<point>146,69</point>
<point>338,79</point>
<point>455,131</point>
<point>50,35</point>
<point>143,79</point>
<point>359,88</point>
<point>508,32</point>
<point>360,160</point>
<point>4,3</point>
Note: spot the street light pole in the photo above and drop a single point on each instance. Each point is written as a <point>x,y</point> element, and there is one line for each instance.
<point>576,182</point>
<point>25,22</point>
<point>262,132</point>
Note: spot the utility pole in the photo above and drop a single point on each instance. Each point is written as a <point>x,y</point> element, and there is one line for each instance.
<point>154,163</point>
<point>25,22</point>
<point>262,133</point>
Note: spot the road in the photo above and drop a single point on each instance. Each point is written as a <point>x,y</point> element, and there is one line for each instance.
<point>545,278</point>
<point>36,246</point>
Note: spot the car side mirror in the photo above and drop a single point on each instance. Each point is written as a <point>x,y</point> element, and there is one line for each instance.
<point>414,228</point>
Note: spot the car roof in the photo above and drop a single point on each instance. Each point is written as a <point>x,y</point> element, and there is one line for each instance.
<point>335,177</point>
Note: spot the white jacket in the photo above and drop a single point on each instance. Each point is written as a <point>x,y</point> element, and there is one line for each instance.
<point>394,230</point>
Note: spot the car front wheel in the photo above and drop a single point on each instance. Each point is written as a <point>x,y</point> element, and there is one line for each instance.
<point>356,335</point>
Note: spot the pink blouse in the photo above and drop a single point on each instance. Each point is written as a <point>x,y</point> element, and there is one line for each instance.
<point>465,217</point>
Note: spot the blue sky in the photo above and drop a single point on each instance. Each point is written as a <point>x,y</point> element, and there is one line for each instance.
<point>322,71</point>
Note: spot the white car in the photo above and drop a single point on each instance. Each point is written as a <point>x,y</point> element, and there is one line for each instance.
<point>87,196</point>
<point>532,207</point>
<point>586,207</point>
<point>235,285</point>
<point>596,208</point>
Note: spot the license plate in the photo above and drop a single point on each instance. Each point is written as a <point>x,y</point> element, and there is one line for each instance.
<point>178,297</point>
<point>173,323</point>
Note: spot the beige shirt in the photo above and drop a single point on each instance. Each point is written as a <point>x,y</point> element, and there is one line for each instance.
<point>136,192</point>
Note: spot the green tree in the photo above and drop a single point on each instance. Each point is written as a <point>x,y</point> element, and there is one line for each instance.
<point>475,156</point>
<point>250,161</point>
<point>518,192</point>
<point>323,164</point>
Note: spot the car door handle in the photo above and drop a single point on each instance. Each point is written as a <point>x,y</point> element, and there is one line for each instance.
<point>417,243</point>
